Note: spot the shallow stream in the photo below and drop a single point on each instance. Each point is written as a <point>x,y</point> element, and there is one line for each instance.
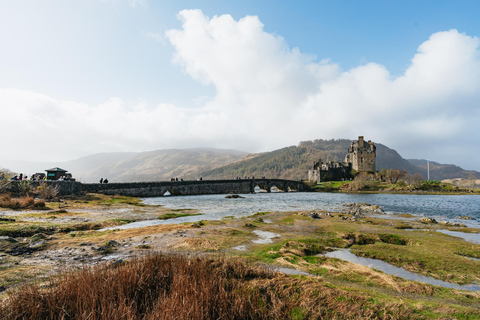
<point>345,254</point>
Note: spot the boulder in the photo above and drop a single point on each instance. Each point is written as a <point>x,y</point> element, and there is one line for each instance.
<point>427,220</point>
<point>234,196</point>
<point>37,244</point>
<point>464,218</point>
<point>359,208</point>
<point>453,224</point>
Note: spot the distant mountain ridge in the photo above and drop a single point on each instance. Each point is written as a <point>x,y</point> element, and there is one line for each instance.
<point>155,165</point>
<point>440,171</point>
<point>289,163</point>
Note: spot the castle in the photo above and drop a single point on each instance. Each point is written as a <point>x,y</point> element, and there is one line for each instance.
<point>360,157</point>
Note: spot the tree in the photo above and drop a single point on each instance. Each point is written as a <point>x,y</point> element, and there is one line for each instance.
<point>393,175</point>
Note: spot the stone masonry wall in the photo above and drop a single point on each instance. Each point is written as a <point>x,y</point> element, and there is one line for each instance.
<point>157,189</point>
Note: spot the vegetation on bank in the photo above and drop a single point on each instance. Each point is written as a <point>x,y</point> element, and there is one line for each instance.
<point>391,180</point>
<point>173,215</point>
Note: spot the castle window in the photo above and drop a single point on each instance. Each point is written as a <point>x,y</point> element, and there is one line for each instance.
<point>361,160</point>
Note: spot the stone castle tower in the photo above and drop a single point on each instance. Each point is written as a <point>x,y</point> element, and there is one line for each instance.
<point>362,155</point>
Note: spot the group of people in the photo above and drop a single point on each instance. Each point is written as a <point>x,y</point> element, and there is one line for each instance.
<point>35,177</point>
<point>20,177</point>
<point>247,178</point>
<point>103,180</point>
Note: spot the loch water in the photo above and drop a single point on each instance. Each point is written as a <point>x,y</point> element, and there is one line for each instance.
<point>214,207</point>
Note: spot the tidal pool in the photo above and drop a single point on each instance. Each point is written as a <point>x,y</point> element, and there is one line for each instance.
<point>345,254</point>
<point>265,237</point>
<point>469,237</point>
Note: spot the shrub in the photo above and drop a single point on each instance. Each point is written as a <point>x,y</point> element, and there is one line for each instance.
<point>6,201</point>
<point>46,192</point>
<point>361,182</point>
<point>22,188</point>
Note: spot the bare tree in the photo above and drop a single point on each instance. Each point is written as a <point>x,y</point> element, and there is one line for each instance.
<point>393,175</point>
<point>413,179</point>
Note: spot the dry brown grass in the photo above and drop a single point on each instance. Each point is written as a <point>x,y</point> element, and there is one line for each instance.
<point>176,287</point>
<point>6,201</point>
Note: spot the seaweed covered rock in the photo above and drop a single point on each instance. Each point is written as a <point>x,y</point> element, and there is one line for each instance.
<point>427,220</point>
<point>464,218</point>
<point>360,208</point>
<point>452,224</point>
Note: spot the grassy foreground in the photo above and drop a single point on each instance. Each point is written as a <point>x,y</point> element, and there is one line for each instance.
<point>176,287</point>
<point>205,275</point>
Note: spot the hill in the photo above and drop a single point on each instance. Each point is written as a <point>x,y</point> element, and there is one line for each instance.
<point>440,171</point>
<point>152,165</point>
<point>294,162</point>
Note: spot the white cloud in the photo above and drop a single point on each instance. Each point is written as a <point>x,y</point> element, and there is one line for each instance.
<point>269,96</point>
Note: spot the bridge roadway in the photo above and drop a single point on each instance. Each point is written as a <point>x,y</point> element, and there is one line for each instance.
<point>177,188</point>
<point>159,188</point>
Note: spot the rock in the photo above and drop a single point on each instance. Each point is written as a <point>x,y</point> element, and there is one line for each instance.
<point>464,218</point>
<point>9,239</point>
<point>453,224</point>
<point>37,244</point>
<point>356,212</point>
<point>39,236</point>
<point>314,215</point>
<point>325,214</point>
<point>427,220</point>
<point>234,196</point>
<point>359,208</point>
<point>249,225</point>
<point>112,243</point>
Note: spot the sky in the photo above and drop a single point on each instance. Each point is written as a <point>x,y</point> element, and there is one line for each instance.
<point>81,77</point>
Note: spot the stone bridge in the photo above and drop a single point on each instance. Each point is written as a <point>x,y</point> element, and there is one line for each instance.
<point>158,189</point>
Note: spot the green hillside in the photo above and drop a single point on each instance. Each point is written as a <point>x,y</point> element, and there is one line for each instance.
<point>294,162</point>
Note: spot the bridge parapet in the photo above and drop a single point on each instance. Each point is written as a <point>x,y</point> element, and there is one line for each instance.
<point>159,188</point>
